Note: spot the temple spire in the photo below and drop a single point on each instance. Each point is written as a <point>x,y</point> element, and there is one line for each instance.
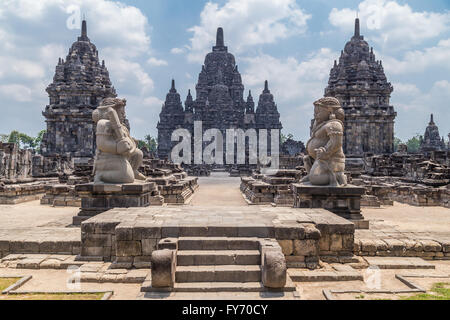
<point>84,36</point>
<point>219,38</point>
<point>172,88</point>
<point>357,28</point>
<point>431,120</point>
<point>266,86</point>
<point>84,29</point>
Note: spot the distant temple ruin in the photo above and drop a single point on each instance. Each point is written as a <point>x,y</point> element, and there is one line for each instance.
<point>431,141</point>
<point>219,102</point>
<point>80,83</point>
<point>359,82</point>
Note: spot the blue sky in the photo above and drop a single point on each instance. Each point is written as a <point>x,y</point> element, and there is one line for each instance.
<point>290,43</point>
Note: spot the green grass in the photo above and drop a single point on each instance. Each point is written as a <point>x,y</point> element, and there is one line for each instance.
<point>53,296</point>
<point>441,290</point>
<point>6,282</point>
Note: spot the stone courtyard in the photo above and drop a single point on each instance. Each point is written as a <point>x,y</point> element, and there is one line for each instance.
<point>39,241</point>
<point>348,215</point>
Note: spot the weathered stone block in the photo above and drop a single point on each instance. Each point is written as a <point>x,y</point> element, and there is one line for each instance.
<point>287,247</point>
<point>124,233</point>
<point>96,240</point>
<point>274,269</point>
<point>148,246</point>
<point>128,248</point>
<point>306,247</point>
<point>92,251</point>
<point>24,247</point>
<point>163,264</point>
<point>335,242</point>
<point>324,242</point>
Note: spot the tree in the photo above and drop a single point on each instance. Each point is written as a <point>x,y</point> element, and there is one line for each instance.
<point>23,140</point>
<point>285,138</point>
<point>38,140</point>
<point>152,144</point>
<point>14,137</point>
<point>413,144</point>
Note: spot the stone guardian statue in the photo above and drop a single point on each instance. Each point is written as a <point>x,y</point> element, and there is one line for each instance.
<point>117,157</point>
<point>325,160</point>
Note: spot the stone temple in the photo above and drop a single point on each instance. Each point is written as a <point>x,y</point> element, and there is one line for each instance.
<point>431,141</point>
<point>219,102</point>
<point>80,83</point>
<point>359,82</point>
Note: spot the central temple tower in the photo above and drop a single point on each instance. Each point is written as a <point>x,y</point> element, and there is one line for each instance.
<point>219,102</point>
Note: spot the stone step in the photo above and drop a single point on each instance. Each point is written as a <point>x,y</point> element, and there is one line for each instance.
<point>220,287</point>
<point>219,273</point>
<point>217,243</point>
<point>218,257</point>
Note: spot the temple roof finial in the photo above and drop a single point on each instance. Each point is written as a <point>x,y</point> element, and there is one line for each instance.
<point>84,36</point>
<point>172,87</point>
<point>219,38</point>
<point>357,28</point>
<point>431,120</point>
<point>266,86</point>
<point>84,29</point>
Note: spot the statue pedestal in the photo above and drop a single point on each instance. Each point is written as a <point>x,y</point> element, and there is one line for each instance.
<point>98,198</point>
<point>343,201</point>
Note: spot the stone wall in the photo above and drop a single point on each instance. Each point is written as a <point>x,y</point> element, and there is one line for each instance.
<point>15,163</point>
<point>23,192</point>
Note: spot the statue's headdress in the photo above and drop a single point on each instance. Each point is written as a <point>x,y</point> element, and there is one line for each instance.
<point>328,102</point>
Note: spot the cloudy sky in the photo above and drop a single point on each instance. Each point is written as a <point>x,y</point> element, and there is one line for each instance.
<point>291,43</point>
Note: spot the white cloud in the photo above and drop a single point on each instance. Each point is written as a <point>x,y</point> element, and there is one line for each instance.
<point>153,102</point>
<point>290,78</point>
<point>127,74</point>
<point>294,84</point>
<point>420,60</point>
<point>157,62</point>
<point>41,35</point>
<point>16,92</point>
<point>15,68</point>
<point>246,23</point>
<point>392,25</point>
<point>177,51</point>
<point>414,107</point>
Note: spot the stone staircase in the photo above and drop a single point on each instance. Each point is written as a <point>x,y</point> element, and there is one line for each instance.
<point>213,264</point>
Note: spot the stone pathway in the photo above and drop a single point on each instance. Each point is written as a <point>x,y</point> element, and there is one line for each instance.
<point>218,190</point>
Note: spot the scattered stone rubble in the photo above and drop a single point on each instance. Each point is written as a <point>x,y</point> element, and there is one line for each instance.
<point>174,184</point>
<point>268,189</point>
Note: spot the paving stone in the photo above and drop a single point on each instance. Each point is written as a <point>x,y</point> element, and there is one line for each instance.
<point>399,263</point>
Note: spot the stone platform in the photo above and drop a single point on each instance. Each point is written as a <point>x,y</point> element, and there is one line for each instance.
<point>128,237</point>
<point>343,201</point>
<point>98,198</point>
<point>24,192</point>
